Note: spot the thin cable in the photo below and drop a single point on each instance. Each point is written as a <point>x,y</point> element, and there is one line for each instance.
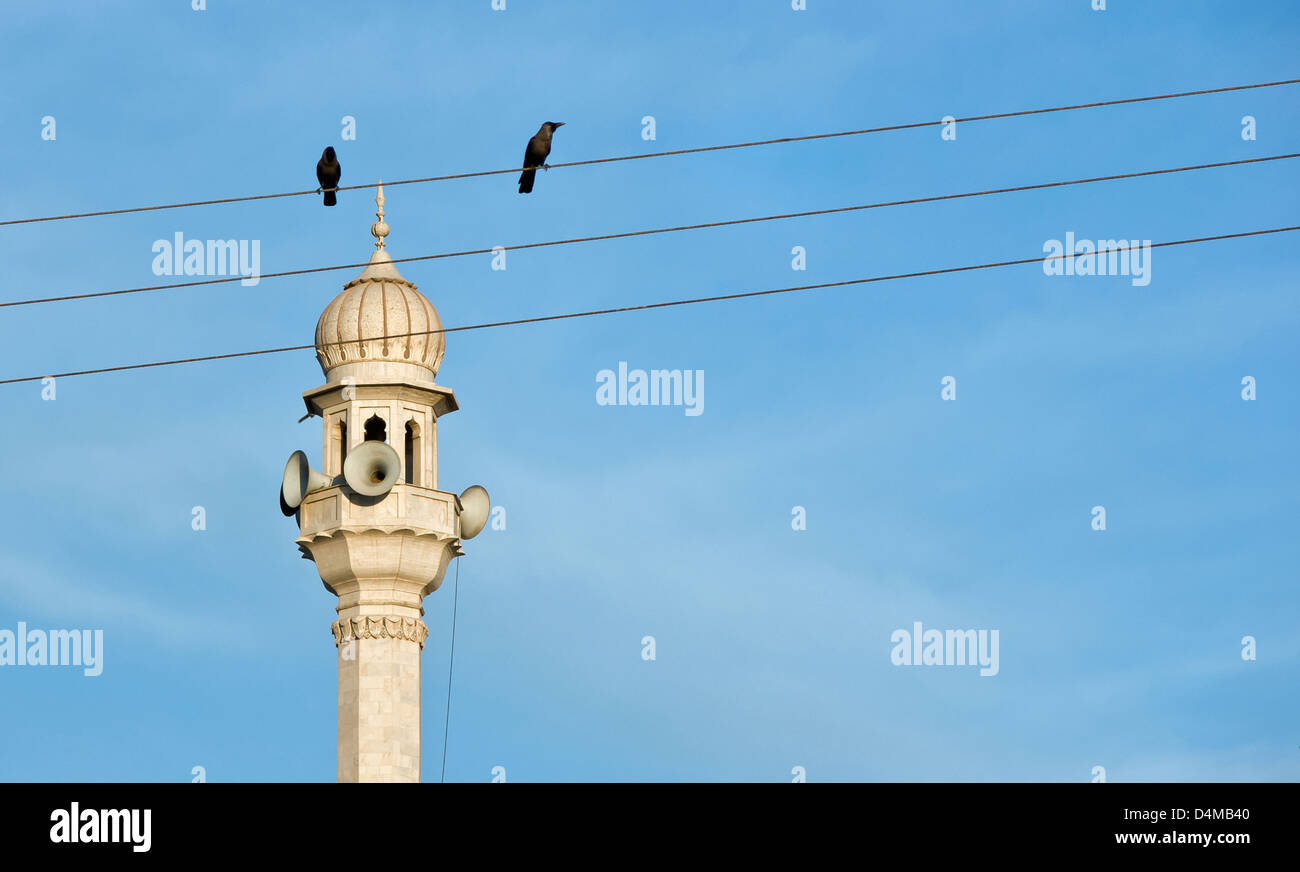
<point>451,662</point>
<point>642,307</point>
<point>656,230</point>
<point>680,151</point>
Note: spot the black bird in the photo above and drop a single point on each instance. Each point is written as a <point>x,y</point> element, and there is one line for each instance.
<point>535,155</point>
<point>328,173</point>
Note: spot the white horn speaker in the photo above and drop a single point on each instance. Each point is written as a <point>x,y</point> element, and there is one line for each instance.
<point>474,507</point>
<point>372,468</point>
<point>299,480</point>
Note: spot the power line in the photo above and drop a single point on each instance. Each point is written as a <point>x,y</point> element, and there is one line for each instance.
<point>451,662</point>
<point>656,230</point>
<point>672,153</point>
<point>644,306</point>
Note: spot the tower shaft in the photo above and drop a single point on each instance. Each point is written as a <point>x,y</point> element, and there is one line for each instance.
<point>379,690</point>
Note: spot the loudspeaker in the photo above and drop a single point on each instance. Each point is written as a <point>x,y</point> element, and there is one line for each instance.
<point>474,506</point>
<point>372,468</point>
<point>299,480</point>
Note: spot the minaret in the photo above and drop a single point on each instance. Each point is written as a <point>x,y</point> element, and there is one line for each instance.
<point>379,530</point>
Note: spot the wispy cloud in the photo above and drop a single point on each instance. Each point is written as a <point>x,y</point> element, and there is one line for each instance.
<point>40,592</point>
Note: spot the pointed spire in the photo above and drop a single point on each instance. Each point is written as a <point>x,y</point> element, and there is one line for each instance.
<point>381,264</point>
<point>379,229</point>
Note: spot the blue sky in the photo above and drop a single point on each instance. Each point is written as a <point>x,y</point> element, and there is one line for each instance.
<point>1118,648</point>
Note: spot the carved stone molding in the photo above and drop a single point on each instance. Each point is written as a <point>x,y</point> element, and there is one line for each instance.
<point>352,555</point>
<point>379,627</point>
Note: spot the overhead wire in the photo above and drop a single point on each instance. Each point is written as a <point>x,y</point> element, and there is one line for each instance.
<point>652,231</point>
<point>669,153</point>
<point>648,306</point>
<point>451,663</point>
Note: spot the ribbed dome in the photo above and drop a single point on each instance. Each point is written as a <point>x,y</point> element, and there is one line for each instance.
<point>379,303</point>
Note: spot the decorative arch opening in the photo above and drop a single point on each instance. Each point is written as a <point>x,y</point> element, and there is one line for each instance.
<point>414,454</point>
<point>340,438</point>
<point>376,429</point>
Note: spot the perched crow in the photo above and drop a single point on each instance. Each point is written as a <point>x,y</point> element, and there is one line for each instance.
<point>328,173</point>
<point>535,155</point>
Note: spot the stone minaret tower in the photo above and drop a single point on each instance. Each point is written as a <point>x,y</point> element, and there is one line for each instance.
<point>380,555</point>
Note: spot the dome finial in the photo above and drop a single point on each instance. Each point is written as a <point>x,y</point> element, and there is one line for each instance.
<point>379,229</point>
